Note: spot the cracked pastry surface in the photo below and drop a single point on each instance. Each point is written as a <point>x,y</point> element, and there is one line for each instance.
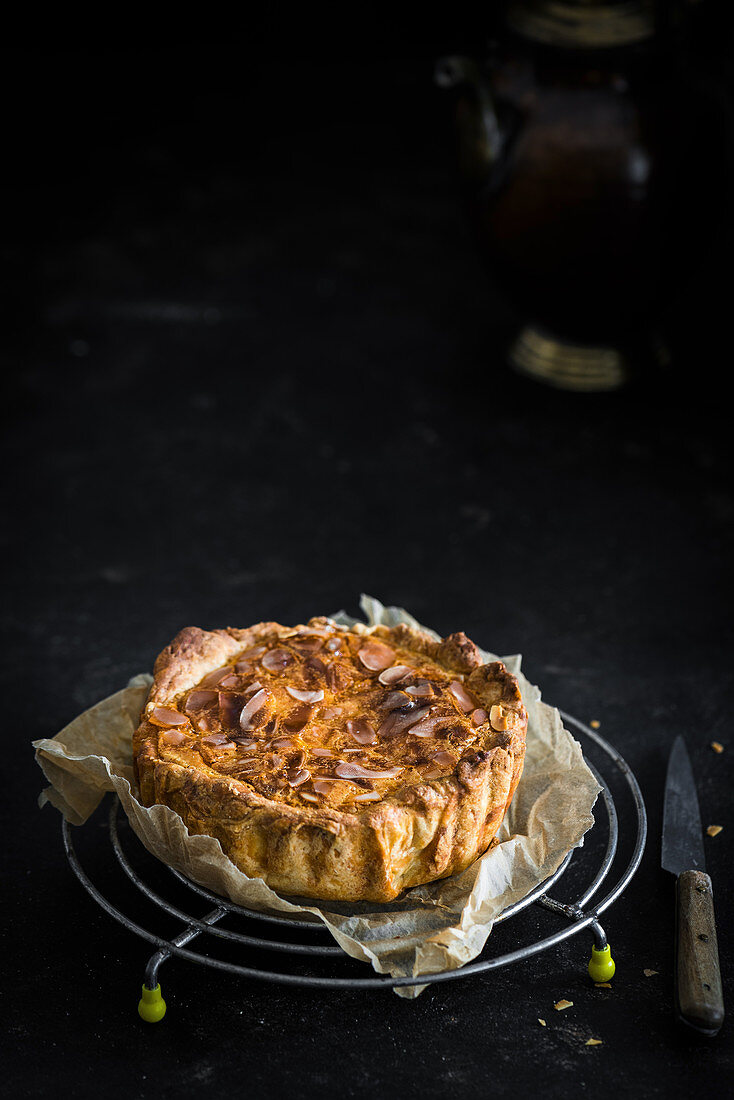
<point>335,763</point>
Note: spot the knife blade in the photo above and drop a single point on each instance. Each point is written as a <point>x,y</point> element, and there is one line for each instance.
<point>698,994</point>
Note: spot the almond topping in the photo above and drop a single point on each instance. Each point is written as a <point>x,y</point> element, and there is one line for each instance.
<point>429,725</point>
<point>199,700</point>
<point>214,677</point>
<point>307,646</point>
<point>283,744</point>
<point>462,696</point>
<point>308,797</point>
<point>649,973</point>
<point>324,784</point>
<point>421,690</point>
<point>276,660</point>
<point>216,740</point>
<point>430,771</point>
<point>244,771</point>
<point>230,707</point>
<point>560,1005</point>
<point>250,709</point>
<point>593,1043</point>
<point>395,700</point>
<point>375,656</point>
<point>368,796</point>
<point>362,731</point>
<point>166,716</point>
<point>445,759</point>
<point>717,746</point>
<point>500,719</point>
<point>322,752</point>
<point>356,771</point>
<point>315,667</point>
<point>396,723</point>
<point>394,674</point>
<point>173,737</point>
<point>295,778</point>
<point>231,681</point>
<point>305,696</point>
<point>298,718</point>
<point>714,830</point>
<point>478,717</point>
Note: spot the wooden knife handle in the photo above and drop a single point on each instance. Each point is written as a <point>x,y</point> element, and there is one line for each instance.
<point>699,997</point>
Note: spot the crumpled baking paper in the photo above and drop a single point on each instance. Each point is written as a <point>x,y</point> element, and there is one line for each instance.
<point>439,926</point>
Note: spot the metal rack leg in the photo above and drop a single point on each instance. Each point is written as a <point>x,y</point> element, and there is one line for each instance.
<point>151,1006</point>
<point>601,964</point>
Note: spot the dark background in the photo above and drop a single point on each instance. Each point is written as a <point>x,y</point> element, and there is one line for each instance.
<point>253,367</point>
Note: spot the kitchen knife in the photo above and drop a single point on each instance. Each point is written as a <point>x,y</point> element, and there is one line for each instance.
<point>698,994</point>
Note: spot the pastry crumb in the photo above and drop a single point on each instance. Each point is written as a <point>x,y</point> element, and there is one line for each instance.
<point>595,723</point>
<point>714,830</point>
<point>603,985</point>
<point>541,1022</point>
<point>560,1005</point>
<point>650,973</point>
<point>717,746</point>
<point>593,1043</point>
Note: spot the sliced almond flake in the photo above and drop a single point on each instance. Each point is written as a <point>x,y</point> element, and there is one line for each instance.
<point>717,746</point>
<point>500,719</point>
<point>593,1043</point>
<point>714,830</point>
<point>296,778</point>
<point>560,1005</point>
<point>305,696</point>
<point>173,737</point>
<point>542,1022</point>
<point>167,716</point>
<point>375,656</point>
<point>394,674</point>
<point>357,771</point>
<point>462,696</point>
<point>256,703</point>
<point>649,973</point>
<point>608,985</point>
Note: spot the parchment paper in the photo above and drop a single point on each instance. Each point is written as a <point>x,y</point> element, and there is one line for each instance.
<point>436,927</point>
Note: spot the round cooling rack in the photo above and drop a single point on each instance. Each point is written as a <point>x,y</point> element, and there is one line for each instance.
<point>579,913</point>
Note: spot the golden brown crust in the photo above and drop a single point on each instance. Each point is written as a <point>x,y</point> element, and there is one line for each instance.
<point>353,805</point>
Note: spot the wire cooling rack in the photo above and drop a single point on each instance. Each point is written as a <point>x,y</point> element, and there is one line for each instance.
<point>580,913</point>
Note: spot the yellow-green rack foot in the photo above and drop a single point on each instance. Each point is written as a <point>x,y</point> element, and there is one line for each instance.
<point>601,964</point>
<point>151,1006</point>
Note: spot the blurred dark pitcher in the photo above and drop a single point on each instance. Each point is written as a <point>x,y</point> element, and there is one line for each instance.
<point>592,164</point>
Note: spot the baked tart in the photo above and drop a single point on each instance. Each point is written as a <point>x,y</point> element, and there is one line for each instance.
<point>342,763</point>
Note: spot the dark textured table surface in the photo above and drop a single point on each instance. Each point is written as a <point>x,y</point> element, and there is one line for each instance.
<point>254,368</point>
